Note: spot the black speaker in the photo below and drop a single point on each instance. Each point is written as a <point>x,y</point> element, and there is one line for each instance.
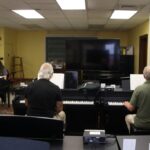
<point>71,79</point>
<point>126,64</point>
<point>125,83</point>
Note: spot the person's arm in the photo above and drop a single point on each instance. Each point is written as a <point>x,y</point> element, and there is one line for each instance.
<point>129,106</point>
<point>26,102</point>
<point>5,74</point>
<point>59,106</point>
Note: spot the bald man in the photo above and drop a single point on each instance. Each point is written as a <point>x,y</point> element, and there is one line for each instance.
<point>140,100</point>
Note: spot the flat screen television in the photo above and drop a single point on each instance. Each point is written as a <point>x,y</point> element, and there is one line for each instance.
<point>73,54</point>
<point>103,54</point>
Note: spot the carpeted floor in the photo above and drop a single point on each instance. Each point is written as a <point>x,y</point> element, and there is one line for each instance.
<point>4,109</point>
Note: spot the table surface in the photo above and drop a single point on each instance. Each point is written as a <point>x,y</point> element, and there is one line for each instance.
<point>141,141</point>
<point>13,143</point>
<point>76,143</point>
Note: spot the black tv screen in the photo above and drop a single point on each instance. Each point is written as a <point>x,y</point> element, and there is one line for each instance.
<point>101,54</point>
<point>73,54</point>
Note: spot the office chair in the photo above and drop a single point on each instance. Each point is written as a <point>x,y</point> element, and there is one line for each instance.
<point>42,128</point>
<point>138,131</point>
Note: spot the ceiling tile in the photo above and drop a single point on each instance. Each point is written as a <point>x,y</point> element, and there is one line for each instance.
<point>96,16</point>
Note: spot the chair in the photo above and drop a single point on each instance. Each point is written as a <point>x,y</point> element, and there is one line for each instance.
<point>31,127</point>
<point>139,131</point>
<point>13,143</point>
<point>18,104</point>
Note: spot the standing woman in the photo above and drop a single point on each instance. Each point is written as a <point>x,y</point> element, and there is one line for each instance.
<point>4,83</point>
<point>3,71</point>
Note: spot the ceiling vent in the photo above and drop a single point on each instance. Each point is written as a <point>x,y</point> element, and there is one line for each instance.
<point>128,7</point>
<point>32,26</point>
<point>95,27</point>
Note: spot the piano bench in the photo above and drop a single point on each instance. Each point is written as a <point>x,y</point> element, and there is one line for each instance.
<point>139,131</point>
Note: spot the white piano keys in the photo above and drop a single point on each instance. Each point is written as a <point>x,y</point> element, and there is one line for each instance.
<point>22,101</point>
<point>115,103</point>
<point>78,102</point>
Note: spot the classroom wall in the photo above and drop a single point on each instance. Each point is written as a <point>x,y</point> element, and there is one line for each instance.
<point>30,45</point>
<point>2,43</point>
<point>122,35</point>
<point>10,39</point>
<point>148,53</point>
<point>133,39</point>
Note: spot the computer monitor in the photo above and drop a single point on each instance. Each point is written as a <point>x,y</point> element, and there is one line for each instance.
<point>136,80</point>
<point>71,79</point>
<point>125,83</point>
<point>58,79</point>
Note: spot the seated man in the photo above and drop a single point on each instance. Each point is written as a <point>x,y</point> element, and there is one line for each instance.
<point>43,98</point>
<point>140,100</point>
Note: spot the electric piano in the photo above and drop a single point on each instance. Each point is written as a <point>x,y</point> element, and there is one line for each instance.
<point>81,110</point>
<point>77,97</point>
<point>114,111</point>
<point>115,98</point>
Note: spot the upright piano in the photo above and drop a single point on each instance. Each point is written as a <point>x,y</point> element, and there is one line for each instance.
<point>113,110</point>
<point>81,110</point>
<point>87,109</point>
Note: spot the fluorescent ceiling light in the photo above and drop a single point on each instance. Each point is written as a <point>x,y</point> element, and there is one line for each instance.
<point>123,14</point>
<point>71,4</point>
<point>29,14</point>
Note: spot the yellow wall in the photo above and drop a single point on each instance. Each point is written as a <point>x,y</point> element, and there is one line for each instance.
<point>2,43</point>
<point>31,47</point>
<point>10,37</point>
<point>133,37</point>
<point>148,53</point>
<point>123,36</point>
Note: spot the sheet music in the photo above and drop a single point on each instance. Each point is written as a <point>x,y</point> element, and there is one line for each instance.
<point>129,144</point>
<point>2,77</point>
<point>58,79</point>
<point>136,80</point>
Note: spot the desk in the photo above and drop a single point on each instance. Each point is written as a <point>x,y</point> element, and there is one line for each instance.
<point>142,141</point>
<point>76,143</point>
<point>12,143</point>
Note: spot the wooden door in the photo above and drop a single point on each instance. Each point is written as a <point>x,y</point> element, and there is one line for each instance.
<point>142,52</point>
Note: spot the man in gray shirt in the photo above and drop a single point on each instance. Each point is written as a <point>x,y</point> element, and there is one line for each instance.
<point>140,100</point>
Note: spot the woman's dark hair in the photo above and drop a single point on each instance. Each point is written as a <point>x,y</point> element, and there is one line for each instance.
<point>1,68</point>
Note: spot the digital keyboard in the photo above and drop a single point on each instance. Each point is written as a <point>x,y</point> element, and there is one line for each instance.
<point>76,97</point>
<point>115,98</point>
<point>115,103</point>
<point>22,101</point>
<point>70,102</point>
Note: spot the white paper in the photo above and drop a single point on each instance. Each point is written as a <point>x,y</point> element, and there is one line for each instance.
<point>136,80</point>
<point>129,144</point>
<point>58,79</point>
<point>22,101</point>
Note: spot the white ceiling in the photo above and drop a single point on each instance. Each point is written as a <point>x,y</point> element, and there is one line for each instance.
<point>95,17</point>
